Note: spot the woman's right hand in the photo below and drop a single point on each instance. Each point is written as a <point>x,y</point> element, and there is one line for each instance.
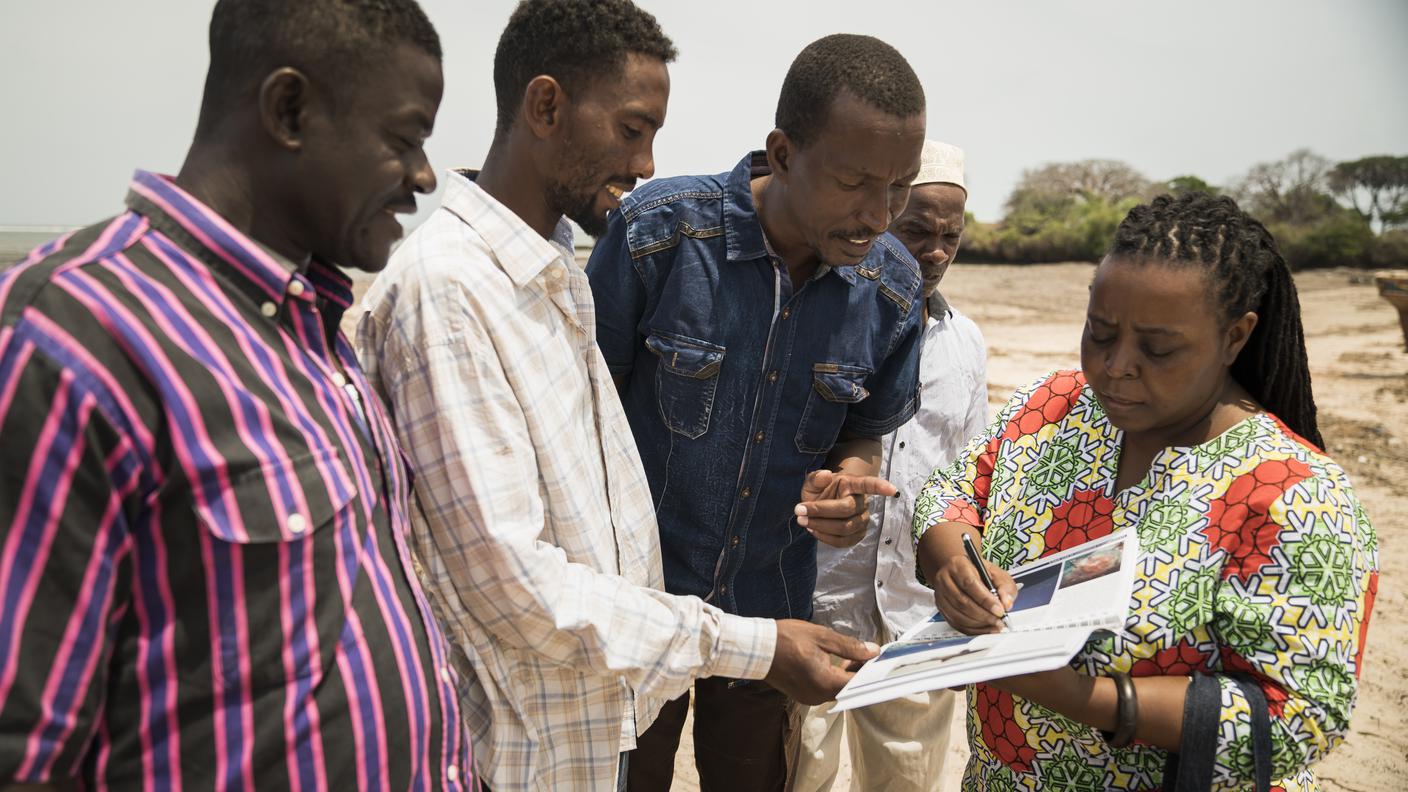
<point>965,602</point>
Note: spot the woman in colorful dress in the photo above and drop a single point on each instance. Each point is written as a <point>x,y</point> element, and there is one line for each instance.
<point>1191,421</point>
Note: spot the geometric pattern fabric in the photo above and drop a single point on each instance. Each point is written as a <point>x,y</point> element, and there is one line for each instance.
<point>1255,556</point>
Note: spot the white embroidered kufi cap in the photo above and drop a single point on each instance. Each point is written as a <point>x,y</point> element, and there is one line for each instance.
<point>941,163</point>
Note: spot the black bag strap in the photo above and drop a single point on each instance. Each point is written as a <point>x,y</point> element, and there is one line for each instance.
<point>1191,769</point>
<point>1261,729</point>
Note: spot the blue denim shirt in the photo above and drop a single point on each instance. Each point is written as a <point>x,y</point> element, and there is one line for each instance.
<point>738,385</point>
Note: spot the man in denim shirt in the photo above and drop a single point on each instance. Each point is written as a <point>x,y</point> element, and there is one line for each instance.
<point>764,332</point>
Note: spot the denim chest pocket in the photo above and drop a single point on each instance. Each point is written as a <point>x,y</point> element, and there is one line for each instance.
<point>685,381</point>
<point>835,387</point>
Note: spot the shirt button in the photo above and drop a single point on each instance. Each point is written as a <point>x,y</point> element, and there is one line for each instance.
<point>338,379</point>
<point>723,589</point>
<point>786,312</point>
<point>772,378</point>
<point>733,542</point>
<point>445,675</point>
<point>295,287</point>
<point>889,541</point>
<point>879,584</point>
<point>555,273</point>
<point>758,438</point>
<point>746,492</point>
<point>297,523</point>
<point>452,773</point>
<point>269,309</point>
<point>901,444</point>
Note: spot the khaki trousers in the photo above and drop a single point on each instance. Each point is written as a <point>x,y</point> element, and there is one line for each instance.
<point>896,746</point>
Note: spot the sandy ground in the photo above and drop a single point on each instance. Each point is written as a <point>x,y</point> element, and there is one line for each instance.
<point>1032,317</point>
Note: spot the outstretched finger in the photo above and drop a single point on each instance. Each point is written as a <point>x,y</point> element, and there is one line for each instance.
<point>866,485</point>
<point>846,647</point>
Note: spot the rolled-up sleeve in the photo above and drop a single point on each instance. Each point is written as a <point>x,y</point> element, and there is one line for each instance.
<point>894,387</point>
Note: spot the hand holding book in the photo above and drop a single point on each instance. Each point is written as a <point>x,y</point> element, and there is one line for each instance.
<point>959,591</point>
<point>1052,604</point>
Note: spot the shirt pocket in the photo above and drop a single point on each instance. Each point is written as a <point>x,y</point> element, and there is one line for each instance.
<point>685,381</point>
<point>285,501</point>
<point>835,387</point>
<point>273,527</point>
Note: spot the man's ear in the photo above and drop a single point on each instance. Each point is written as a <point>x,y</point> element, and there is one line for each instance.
<point>1238,333</point>
<point>779,149</point>
<point>544,102</point>
<point>284,97</point>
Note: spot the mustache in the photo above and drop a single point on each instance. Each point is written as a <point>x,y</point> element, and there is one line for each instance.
<point>406,205</point>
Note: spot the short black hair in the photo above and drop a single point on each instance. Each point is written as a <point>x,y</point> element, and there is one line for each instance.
<point>325,39</point>
<point>866,66</point>
<point>1246,272</point>
<point>572,41</point>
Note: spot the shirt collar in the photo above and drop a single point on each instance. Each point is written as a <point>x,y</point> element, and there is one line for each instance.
<point>743,230</point>
<point>252,267</point>
<point>938,306</point>
<point>520,251</point>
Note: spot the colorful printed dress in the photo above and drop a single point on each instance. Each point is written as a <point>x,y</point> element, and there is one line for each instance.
<point>1255,556</point>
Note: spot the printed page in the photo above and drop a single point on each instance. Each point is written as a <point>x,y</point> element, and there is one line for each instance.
<point>1088,585</point>
<point>1062,600</point>
<point>904,668</point>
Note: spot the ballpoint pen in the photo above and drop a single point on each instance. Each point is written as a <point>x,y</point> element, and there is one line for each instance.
<point>977,561</point>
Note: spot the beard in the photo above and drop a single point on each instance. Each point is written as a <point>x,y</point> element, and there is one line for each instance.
<point>577,201</point>
<point>583,171</point>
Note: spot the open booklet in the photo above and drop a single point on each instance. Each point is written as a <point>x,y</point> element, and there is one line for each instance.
<point>1063,599</point>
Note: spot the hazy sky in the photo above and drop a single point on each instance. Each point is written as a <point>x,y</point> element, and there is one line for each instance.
<point>93,88</point>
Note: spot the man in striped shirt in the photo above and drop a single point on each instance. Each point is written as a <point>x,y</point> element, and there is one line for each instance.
<point>204,575</point>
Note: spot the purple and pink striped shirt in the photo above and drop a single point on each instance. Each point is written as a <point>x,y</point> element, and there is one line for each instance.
<point>204,575</point>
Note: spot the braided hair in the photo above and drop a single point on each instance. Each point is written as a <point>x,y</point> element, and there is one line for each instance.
<point>1245,273</point>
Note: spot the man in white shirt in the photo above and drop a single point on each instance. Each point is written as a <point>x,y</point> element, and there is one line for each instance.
<point>869,590</point>
<point>534,526</point>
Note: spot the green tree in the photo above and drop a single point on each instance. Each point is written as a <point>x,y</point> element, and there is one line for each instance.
<point>1061,212</point>
<point>1292,190</point>
<point>1340,238</point>
<point>1377,188</point>
<point>1179,185</point>
<point>1085,180</point>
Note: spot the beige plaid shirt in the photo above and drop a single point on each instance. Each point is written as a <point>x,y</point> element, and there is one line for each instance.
<point>540,550</point>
